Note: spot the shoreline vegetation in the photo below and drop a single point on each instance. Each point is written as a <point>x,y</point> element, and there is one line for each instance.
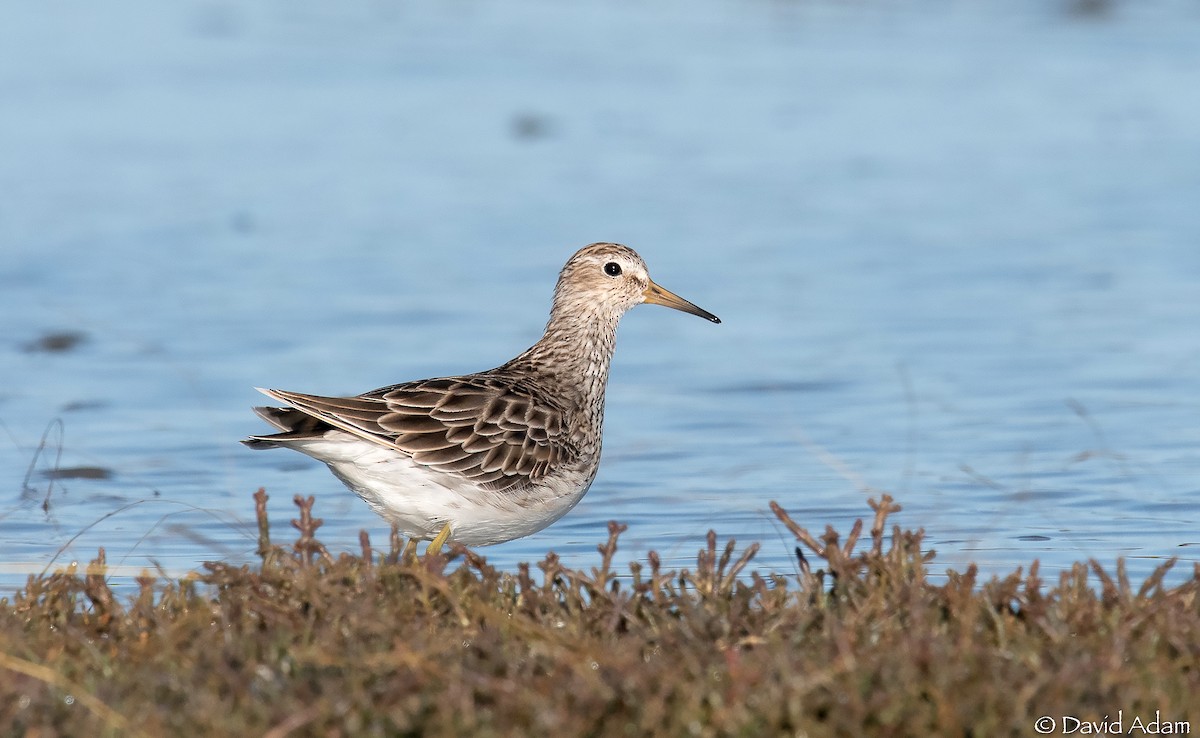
<point>860,642</point>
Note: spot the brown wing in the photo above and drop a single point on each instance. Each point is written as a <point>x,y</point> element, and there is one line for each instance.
<point>499,433</point>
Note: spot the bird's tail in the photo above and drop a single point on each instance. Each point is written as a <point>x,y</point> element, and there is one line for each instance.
<point>294,424</point>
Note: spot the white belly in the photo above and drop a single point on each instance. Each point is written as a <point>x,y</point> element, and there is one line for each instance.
<point>421,501</point>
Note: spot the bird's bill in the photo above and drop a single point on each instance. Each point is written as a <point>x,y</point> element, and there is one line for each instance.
<point>656,295</point>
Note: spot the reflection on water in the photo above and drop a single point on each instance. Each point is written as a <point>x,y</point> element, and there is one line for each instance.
<point>955,256</point>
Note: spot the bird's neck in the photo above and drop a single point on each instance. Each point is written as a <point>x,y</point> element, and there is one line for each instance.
<point>574,352</point>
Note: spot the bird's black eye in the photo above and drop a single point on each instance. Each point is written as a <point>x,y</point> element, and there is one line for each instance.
<point>612,269</point>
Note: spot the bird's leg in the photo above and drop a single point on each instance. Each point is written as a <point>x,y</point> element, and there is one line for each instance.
<point>435,545</point>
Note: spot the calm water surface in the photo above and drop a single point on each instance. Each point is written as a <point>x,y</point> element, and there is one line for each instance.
<point>956,250</point>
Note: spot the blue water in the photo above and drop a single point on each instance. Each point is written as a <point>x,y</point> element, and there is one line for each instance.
<point>956,250</point>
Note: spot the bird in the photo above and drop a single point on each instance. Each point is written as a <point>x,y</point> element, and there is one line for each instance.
<point>486,458</point>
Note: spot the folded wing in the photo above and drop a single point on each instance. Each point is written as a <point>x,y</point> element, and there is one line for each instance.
<point>502,435</point>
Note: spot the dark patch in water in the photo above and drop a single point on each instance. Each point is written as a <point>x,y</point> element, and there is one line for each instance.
<point>78,472</point>
<point>77,405</point>
<point>530,126</point>
<point>1033,538</point>
<point>56,342</point>
<point>1089,9</point>
<point>242,222</point>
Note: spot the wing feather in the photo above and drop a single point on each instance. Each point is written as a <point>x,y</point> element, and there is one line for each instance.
<point>498,431</point>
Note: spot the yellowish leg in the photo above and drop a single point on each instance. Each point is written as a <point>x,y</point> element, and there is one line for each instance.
<point>435,546</point>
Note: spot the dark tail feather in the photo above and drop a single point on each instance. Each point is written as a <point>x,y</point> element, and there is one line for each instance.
<point>296,425</point>
<point>260,442</point>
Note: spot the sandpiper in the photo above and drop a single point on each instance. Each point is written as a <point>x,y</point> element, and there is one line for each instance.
<point>484,458</point>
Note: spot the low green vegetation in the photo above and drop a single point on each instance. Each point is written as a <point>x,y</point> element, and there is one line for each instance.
<point>860,643</point>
